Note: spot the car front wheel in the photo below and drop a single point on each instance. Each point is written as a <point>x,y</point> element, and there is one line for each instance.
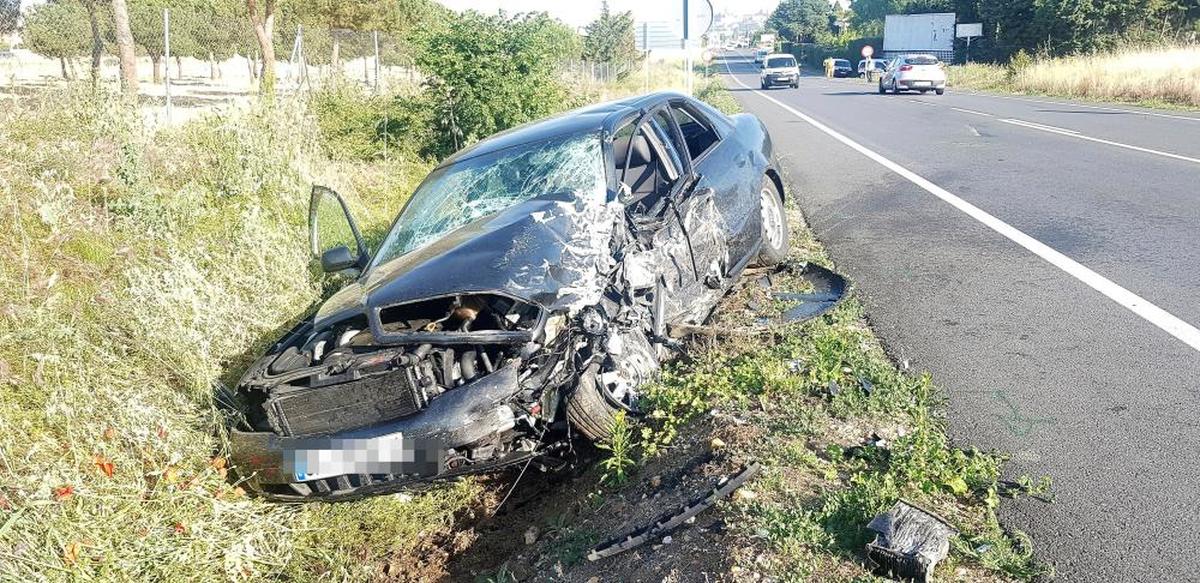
<point>774,224</point>
<point>940,91</point>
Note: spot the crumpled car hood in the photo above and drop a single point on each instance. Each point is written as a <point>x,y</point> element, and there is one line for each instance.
<point>552,251</point>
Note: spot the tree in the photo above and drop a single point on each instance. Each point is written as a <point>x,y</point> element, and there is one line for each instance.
<point>611,39</point>
<point>146,22</point>
<point>58,30</point>
<point>264,30</point>
<point>802,20</point>
<point>129,78</point>
<point>96,17</point>
<point>10,14</point>
<point>489,73</point>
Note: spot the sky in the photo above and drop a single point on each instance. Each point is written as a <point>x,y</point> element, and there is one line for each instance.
<point>580,12</point>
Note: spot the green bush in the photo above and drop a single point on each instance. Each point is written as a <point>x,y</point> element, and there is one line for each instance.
<point>1018,63</point>
<point>489,73</point>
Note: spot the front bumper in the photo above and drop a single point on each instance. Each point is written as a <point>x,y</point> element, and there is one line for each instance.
<point>382,457</point>
<point>780,79</point>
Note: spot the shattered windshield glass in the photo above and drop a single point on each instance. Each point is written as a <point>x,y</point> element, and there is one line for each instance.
<point>476,187</point>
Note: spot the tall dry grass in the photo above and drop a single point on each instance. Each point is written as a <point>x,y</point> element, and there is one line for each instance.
<point>139,270</point>
<point>1152,76</point>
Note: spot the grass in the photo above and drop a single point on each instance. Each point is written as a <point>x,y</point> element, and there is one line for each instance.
<point>132,294</point>
<point>1156,76</point>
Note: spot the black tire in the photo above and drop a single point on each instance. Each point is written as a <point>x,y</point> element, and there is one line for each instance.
<point>762,85</point>
<point>588,410</point>
<point>796,85</point>
<point>940,91</point>
<point>773,253</point>
<point>882,90</point>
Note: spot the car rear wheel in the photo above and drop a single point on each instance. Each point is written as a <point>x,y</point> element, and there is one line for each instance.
<point>882,90</point>
<point>774,225</point>
<point>940,91</point>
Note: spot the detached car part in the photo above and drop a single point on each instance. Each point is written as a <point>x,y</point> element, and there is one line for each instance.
<point>909,542</point>
<point>522,295</point>
<point>672,521</point>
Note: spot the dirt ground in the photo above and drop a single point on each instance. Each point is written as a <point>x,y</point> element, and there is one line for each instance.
<point>546,528</point>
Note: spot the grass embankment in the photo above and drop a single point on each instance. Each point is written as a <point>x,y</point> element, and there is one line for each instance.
<point>141,271</point>
<point>1153,77</point>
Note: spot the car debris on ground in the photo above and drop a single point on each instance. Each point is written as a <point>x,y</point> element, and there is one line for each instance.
<point>669,522</point>
<point>909,542</point>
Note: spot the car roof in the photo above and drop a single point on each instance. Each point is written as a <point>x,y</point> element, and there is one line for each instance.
<point>599,117</point>
<point>780,55</point>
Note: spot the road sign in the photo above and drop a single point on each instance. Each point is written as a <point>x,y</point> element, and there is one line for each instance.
<point>968,30</point>
<point>867,51</point>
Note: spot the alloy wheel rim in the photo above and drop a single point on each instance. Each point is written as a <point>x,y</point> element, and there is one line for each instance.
<point>772,219</point>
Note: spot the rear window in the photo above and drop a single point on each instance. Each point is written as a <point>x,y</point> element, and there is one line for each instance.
<point>921,61</point>
<point>781,62</point>
<point>841,63</point>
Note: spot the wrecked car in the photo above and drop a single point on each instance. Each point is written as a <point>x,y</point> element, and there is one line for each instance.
<point>523,295</point>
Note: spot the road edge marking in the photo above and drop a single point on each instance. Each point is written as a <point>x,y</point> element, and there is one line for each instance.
<point>1161,318</point>
<point>1075,134</point>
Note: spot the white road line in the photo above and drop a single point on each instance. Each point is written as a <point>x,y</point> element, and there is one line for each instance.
<point>923,102</point>
<point>1074,104</point>
<point>1075,134</point>
<point>1169,323</point>
<point>972,111</point>
<point>1040,126</point>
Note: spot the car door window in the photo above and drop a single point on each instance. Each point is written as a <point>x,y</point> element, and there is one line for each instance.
<point>645,166</point>
<point>698,134</point>
<point>672,148</point>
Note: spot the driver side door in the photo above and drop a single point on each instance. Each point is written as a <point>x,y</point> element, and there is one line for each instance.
<point>677,216</point>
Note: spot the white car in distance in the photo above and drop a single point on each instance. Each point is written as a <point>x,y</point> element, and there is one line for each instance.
<point>913,73</point>
<point>779,69</point>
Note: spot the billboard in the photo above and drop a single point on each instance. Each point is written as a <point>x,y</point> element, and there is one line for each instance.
<point>919,32</point>
<point>969,30</point>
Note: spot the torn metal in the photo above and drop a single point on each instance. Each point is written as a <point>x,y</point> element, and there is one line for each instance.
<point>523,295</point>
<point>671,521</point>
<point>909,542</point>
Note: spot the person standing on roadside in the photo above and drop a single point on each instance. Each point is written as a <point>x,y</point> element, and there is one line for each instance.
<point>829,67</point>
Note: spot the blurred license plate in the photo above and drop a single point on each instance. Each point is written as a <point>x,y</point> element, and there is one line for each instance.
<point>920,83</point>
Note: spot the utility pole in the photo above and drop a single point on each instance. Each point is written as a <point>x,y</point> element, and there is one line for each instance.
<point>375,34</point>
<point>687,51</point>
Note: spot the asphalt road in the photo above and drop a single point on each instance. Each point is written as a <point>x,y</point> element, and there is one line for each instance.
<point>1041,259</point>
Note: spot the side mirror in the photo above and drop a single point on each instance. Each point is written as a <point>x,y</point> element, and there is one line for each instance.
<point>332,233</point>
<point>337,259</point>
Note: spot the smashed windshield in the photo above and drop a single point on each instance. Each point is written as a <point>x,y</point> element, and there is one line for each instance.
<point>476,187</point>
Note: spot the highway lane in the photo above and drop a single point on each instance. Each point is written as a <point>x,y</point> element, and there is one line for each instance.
<point>1036,361</point>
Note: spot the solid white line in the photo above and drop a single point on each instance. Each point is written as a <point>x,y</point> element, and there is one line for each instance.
<point>923,102</point>
<point>1169,323</point>
<point>1075,134</point>
<point>972,111</point>
<point>1074,104</point>
<point>1039,126</point>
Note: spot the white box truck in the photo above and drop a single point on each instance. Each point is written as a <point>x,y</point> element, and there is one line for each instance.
<point>919,33</point>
